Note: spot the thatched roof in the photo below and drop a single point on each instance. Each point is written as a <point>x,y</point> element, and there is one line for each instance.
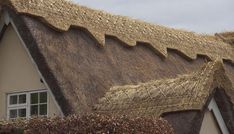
<point>61,14</point>
<point>186,92</point>
<point>79,72</point>
<point>227,37</point>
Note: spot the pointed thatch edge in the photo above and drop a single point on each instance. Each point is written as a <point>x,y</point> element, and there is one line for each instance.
<point>191,44</point>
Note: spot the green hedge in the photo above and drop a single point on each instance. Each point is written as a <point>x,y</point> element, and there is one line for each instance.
<point>100,124</point>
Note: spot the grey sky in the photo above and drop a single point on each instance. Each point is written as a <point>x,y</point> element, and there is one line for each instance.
<point>203,16</point>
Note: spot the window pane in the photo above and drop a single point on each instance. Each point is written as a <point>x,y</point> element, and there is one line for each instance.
<point>22,98</point>
<point>43,109</point>
<point>34,110</point>
<point>43,97</point>
<point>13,113</point>
<point>34,98</point>
<point>13,99</point>
<point>22,112</point>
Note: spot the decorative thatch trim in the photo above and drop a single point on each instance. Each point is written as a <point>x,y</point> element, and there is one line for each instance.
<point>186,92</point>
<point>62,14</point>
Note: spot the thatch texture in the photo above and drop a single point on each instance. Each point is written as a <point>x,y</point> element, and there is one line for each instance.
<point>84,72</point>
<point>79,72</point>
<point>226,108</point>
<point>227,37</point>
<point>62,14</point>
<point>186,92</point>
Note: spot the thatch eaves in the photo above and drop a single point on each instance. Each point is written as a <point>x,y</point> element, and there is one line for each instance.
<point>61,15</point>
<point>186,92</point>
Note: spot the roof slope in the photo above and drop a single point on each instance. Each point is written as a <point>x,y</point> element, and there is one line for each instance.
<point>79,71</point>
<point>227,37</point>
<point>186,92</point>
<point>62,14</point>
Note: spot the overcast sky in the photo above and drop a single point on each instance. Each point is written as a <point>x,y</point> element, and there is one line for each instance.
<point>203,16</point>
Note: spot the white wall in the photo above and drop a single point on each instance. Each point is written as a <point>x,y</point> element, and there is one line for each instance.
<point>209,124</point>
<point>17,72</point>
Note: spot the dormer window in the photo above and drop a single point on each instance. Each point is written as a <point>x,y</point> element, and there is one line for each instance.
<point>27,104</point>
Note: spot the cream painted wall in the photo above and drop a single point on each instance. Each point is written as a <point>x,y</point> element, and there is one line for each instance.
<point>209,124</point>
<point>17,72</point>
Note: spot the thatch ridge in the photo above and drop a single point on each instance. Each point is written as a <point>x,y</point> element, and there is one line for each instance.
<point>62,14</point>
<point>186,92</point>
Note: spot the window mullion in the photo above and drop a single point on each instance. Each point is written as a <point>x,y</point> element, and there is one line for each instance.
<point>17,112</point>
<point>38,108</point>
<point>17,100</point>
<point>28,105</point>
<point>47,103</point>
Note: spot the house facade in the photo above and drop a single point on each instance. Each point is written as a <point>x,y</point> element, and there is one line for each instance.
<point>23,92</point>
<point>59,58</point>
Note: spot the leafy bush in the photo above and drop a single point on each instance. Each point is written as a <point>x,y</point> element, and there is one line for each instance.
<point>94,123</point>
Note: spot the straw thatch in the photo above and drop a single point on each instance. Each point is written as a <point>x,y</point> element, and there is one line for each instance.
<point>186,92</point>
<point>62,14</point>
<point>79,72</point>
<point>76,69</point>
<point>227,37</point>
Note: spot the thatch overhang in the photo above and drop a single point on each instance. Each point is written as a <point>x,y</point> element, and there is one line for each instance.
<point>180,100</point>
<point>154,98</point>
<point>61,15</point>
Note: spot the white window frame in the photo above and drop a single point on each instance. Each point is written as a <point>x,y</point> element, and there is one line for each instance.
<point>26,105</point>
<point>15,106</point>
<point>213,107</point>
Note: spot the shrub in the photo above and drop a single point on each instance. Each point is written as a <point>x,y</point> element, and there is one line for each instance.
<point>93,123</point>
